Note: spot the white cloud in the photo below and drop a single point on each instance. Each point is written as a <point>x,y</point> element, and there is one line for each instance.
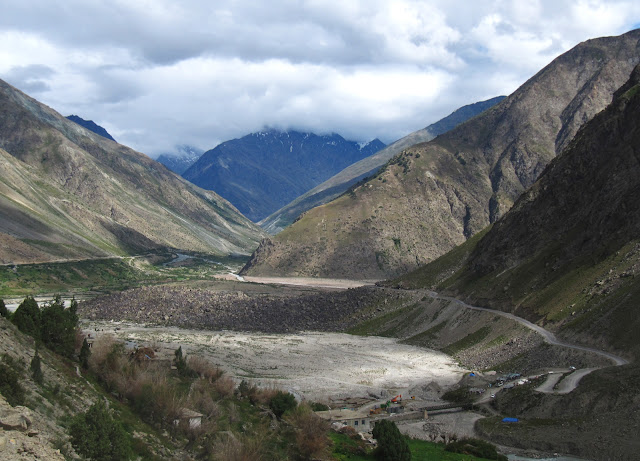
<point>160,73</point>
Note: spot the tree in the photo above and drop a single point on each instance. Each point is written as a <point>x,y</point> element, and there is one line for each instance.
<point>282,402</point>
<point>27,317</point>
<point>58,326</point>
<point>4,312</point>
<point>392,446</point>
<point>180,362</point>
<point>97,435</point>
<point>36,369</point>
<point>85,353</point>
<point>10,387</point>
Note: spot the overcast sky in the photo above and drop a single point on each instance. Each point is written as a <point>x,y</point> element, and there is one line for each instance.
<point>158,73</point>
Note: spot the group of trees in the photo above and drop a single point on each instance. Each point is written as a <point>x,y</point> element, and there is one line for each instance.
<point>53,325</point>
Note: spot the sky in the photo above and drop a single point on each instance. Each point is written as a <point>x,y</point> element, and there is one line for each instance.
<point>158,74</point>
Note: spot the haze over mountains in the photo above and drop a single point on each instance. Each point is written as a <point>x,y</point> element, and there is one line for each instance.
<point>434,196</point>
<point>338,184</point>
<point>66,192</point>
<point>261,172</point>
<point>181,160</point>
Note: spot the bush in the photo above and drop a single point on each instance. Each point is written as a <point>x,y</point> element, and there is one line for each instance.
<point>312,441</point>
<point>282,402</point>
<point>316,406</point>
<point>10,387</point>
<point>96,435</point>
<point>475,447</point>
<point>392,446</point>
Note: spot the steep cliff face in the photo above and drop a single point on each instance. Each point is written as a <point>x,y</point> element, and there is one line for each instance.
<point>66,192</point>
<point>434,196</point>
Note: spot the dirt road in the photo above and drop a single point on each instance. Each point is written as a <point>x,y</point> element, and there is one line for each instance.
<point>547,335</point>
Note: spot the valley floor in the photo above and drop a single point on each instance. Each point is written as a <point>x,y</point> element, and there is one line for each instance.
<point>316,366</point>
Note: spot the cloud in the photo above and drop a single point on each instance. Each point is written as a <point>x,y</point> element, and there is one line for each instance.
<point>161,73</point>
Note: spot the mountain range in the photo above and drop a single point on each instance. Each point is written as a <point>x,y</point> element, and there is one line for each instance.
<point>338,184</point>
<point>68,193</point>
<point>261,172</point>
<point>434,196</point>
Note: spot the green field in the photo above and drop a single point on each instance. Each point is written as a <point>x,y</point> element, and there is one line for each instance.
<point>112,274</point>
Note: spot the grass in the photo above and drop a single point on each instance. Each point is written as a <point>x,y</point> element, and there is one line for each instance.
<point>345,448</point>
<point>380,325</point>
<point>468,341</point>
<point>105,275</point>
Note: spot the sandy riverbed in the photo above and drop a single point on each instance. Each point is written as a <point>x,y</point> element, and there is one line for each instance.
<point>316,366</point>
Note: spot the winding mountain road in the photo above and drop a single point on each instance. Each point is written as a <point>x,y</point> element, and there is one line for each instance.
<point>547,335</point>
<point>570,382</point>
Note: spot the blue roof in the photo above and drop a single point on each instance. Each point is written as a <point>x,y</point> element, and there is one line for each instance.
<point>510,420</point>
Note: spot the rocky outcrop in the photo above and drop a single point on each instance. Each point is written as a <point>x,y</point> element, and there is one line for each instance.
<point>434,196</point>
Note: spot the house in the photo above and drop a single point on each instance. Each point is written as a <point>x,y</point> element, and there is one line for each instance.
<point>190,417</point>
<point>359,420</point>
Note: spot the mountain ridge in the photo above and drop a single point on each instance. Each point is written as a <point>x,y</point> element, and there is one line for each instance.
<point>263,171</point>
<point>91,126</point>
<point>434,196</point>
<point>67,192</point>
<point>336,185</point>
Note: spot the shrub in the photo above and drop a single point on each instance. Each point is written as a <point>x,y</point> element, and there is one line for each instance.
<point>10,387</point>
<point>204,368</point>
<point>224,387</point>
<point>475,447</point>
<point>312,441</point>
<point>97,435</point>
<point>282,402</point>
<point>316,406</point>
<point>392,446</point>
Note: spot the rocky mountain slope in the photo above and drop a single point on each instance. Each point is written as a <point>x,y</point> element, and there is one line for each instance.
<point>568,252</point>
<point>91,126</point>
<point>261,172</point>
<point>66,192</point>
<point>181,160</point>
<point>433,196</point>
<point>338,184</point>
